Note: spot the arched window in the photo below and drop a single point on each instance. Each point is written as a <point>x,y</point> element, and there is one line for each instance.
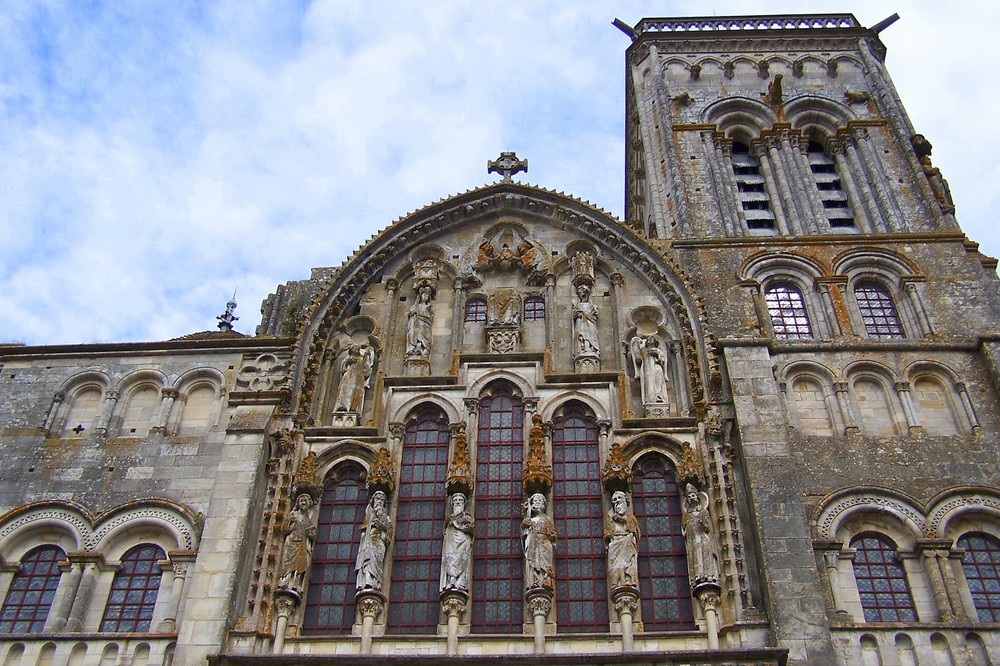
<point>330,600</point>
<point>930,397</point>
<point>134,590</point>
<point>140,412</point>
<point>198,410</point>
<point>31,591</point>
<point>753,194</point>
<point>416,554</point>
<point>982,572</point>
<point>810,405</point>
<point>83,410</point>
<point>498,572</point>
<point>581,566</point>
<point>881,579</point>
<point>878,311</point>
<point>534,308</point>
<point>663,569</point>
<point>475,309</point>
<point>874,407</point>
<point>787,311</point>
<point>831,193</point>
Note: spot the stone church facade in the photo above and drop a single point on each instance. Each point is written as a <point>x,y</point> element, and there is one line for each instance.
<point>753,423</point>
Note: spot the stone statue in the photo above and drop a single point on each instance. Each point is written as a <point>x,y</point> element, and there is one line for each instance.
<point>585,323</point>
<point>456,556</point>
<point>300,536</point>
<point>650,363</point>
<point>504,307</point>
<point>355,377</point>
<point>696,525</point>
<point>418,325</point>
<point>938,185</point>
<point>622,537</point>
<point>538,535</point>
<point>375,534</point>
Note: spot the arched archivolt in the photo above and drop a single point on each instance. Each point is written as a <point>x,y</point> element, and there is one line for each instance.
<point>344,452</point>
<point>885,375</point>
<point>740,118</point>
<point>865,260</point>
<point>520,384</point>
<point>807,112</point>
<point>340,296</point>
<point>140,378</point>
<point>551,406</point>
<point>837,508</point>
<point>813,369</point>
<point>765,265</point>
<point>199,375</point>
<point>957,503</point>
<point>100,379</point>
<point>403,411</point>
<point>64,524</point>
<point>172,525</point>
<point>918,369</point>
<point>653,443</point>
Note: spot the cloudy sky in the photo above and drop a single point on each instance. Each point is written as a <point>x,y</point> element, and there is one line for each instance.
<point>157,156</point>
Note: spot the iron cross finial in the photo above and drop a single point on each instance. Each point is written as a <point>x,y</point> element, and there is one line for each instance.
<point>507,165</point>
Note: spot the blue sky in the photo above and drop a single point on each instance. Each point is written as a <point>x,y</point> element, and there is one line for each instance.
<point>155,156</point>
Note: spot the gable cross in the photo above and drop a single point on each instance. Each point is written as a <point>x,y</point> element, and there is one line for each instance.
<point>507,165</point>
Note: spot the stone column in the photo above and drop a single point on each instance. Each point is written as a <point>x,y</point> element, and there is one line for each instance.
<point>970,413</point>
<point>110,400</point>
<point>770,186</point>
<point>831,308</point>
<point>910,289</point>
<point>458,313</point>
<point>932,554</point>
<point>370,603</point>
<point>831,558</point>
<point>903,391</point>
<point>855,198</point>
<point>454,603</point>
<point>877,175</point>
<point>69,583</point>
<point>50,417</point>
<point>389,315</point>
<point>725,189</point>
<point>708,597</point>
<point>285,603</point>
<point>88,578</point>
<point>550,309</point>
<point>763,318</point>
<point>617,282</point>
<point>854,165</point>
<point>850,424</point>
<point>169,622</point>
<point>951,585</point>
<point>539,603</point>
<point>167,398</point>
<point>626,601</point>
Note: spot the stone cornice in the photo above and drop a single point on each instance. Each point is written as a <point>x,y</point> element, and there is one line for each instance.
<point>168,347</point>
<point>822,239</point>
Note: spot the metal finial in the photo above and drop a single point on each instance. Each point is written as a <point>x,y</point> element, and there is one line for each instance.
<point>227,318</point>
<point>507,165</point>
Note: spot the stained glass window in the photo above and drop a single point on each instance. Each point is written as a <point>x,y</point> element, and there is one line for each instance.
<point>982,572</point>
<point>882,585</point>
<point>475,309</point>
<point>31,591</point>
<point>787,311</point>
<point>134,590</point>
<point>534,308</point>
<point>878,312</point>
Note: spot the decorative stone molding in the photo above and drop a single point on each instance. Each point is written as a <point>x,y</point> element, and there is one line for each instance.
<point>265,373</point>
<point>537,474</point>
<point>381,476</point>
<point>617,473</point>
<point>829,519</point>
<point>459,479</point>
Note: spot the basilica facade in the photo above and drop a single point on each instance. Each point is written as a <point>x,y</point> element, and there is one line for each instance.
<point>755,422</point>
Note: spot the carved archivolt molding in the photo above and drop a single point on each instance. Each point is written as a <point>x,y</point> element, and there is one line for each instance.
<point>929,521</point>
<point>90,531</point>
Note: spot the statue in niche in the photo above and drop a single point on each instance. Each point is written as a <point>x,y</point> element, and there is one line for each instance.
<point>585,323</point>
<point>696,526</point>
<point>418,325</point>
<point>938,185</point>
<point>300,536</point>
<point>457,552</point>
<point>375,534</point>
<point>650,363</point>
<point>622,538</point>
<point>504,308</point>
<point>355,377</point>
<point>538,536</point>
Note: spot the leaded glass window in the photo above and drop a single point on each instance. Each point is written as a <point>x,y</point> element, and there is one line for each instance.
<point>498,569</point>
<point>878,312</point>
<point>416,557</point>
<point>982,573</point>
<point>134,590</point>
<point>534,308</point>
<point>663,569</point>
<point>881,579</point>
<point>475,309</point>
<point>330,600</point>
<point>787,311</point>
<point>581,565</point>
<point>31,592</point>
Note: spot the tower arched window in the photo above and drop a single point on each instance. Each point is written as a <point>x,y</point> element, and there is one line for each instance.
<point>475,310</point>
<point>497,572</point>
<point>420,510</point>
<point>831,192</point>
<point>981,565</point>
<point>32,591</point>
<point>581,567</point>
<point>134,590</point>
<point>754,198</point>
<point>663,569</point>
<point>881,580</point>
<point>787,311</point>
<point>330,599</point>
<point>534,308</point>
<point>878,311</point>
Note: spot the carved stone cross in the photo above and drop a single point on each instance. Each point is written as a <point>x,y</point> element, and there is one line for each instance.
<point>507,165</point>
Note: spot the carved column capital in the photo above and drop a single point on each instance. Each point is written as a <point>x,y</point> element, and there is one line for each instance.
<point>626,601</point>
<point>285,603</point>
<point>540,603</point>
<point>454,603</point>
<point>472,405</point>
<point>617,279</point>
<point>709,599</point>
<point>370,603</point>
<point>396,431</point>
<point>112,395</point>
<point>530,405</point>
<point>902,386</point>
<point>840,387</point>
<point>170,393</point>
<point>59,396</point>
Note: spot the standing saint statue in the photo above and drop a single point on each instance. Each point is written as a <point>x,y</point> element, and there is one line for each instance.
<point>300,536</point>
<point>585,323</point>
<point>375,533</point>
<point>696,526</point>
<point>456,556</point>
<point>418,325</point>
<point>355,377</point>
<point>622,537</point>
<point>650,364</point>
<point>538,535</point>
